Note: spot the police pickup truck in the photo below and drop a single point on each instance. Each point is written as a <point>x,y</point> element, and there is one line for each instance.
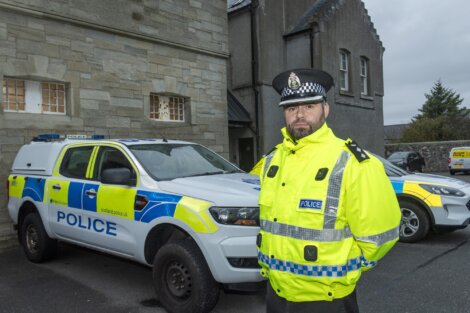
<point>173,205</point>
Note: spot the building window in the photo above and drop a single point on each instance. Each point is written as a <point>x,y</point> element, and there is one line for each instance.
<point>364,74</point>
<point>53,98</point>
<point>167,108</point>
<point>344,70</point>
<point>13,96</point>
<point>33,96</point>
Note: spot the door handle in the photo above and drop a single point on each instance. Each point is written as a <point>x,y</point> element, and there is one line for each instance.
<point>90,193</point>
<point>56,187</point>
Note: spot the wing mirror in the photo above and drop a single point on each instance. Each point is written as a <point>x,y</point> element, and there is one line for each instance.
<point>118,176</point>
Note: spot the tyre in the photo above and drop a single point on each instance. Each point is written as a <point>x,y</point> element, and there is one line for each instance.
<point>452,172</point>
<point>37,245</point>
<point>182,279</point>
<point>414,224</point>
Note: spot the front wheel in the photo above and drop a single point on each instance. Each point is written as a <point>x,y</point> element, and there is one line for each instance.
<point>37,245</point>
<point>414,224</point>
<point>182,279</point>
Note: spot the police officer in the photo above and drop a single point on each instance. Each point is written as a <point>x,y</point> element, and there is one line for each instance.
<point>328,210</point>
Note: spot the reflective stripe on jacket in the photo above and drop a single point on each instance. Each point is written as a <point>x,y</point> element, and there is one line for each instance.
<point>325,217</point>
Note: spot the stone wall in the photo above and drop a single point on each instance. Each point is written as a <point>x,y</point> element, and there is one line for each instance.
<point>435,154</point>
<point>111,55</point>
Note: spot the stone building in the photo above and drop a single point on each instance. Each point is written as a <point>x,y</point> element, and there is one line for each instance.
<point>268,37</point>
<point>121,68</point>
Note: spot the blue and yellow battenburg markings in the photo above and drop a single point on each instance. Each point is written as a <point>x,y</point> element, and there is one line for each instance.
<point>114,201</point>
<point>413,188</point>
<point>34,188</point>
<point>159,205</point>
<point>397,186</point>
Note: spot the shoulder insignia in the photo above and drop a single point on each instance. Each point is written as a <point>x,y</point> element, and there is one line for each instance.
<point>271,151</point>
<point>360,154</point>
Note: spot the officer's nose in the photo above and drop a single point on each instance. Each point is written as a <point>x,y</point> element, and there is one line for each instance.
<point>300,111</point>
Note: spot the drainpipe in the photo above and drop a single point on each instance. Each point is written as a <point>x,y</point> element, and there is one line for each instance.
<point>254,73</point>
<point>311,46</point>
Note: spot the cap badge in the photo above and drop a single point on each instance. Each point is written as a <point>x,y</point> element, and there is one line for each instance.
<point>294,81</point>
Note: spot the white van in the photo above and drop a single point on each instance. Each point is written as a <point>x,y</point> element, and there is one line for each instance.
<point>459,160</point>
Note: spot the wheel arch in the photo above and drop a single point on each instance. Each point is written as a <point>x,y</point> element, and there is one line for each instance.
<point>159,235</point>
<point>26,208</point>
<point>421,204</point>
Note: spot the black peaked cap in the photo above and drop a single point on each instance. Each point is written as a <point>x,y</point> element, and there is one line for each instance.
<point>302,85</point>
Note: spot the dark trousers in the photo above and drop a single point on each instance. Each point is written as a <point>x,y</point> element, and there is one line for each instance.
<point>276,304</point>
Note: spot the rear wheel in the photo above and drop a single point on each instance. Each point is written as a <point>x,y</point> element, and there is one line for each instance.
<point>414,222</point>
<point>37,245</point>
<point>182,279</point>
<point>452,172</point>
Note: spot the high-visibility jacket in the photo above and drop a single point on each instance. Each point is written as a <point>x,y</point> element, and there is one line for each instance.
<point>327,213</point>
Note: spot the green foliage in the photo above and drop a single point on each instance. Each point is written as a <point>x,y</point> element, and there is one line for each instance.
<point>441,101</point>
<point>441,118</point>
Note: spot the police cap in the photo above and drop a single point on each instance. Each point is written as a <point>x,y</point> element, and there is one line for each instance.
<point>302,85</point>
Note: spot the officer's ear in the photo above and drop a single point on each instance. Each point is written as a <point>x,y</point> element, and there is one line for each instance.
<point>326,108</point>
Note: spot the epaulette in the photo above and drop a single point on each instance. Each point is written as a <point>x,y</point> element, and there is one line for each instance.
<point>360,154</point>
<point>271,151</point>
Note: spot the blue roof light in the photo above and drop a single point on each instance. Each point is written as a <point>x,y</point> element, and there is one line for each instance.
<point>48,136</point>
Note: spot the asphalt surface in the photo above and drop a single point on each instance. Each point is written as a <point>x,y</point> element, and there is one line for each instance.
<point>431,276</point>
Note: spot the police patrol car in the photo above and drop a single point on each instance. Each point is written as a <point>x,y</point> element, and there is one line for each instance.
<point>429,202</point>
<point>173,205</point>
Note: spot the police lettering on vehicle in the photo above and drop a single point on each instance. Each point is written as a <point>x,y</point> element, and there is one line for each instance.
<point>310,204</point>
<point>88,223</point>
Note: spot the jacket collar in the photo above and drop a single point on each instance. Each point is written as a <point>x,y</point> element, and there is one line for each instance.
<point>324,133</point>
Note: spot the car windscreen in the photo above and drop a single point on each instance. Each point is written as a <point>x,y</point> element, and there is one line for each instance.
<point>392,170</point>
<point>398,156</point>
<point>170,161</point>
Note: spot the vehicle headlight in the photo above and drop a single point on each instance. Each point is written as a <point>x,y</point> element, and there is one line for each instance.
<point>236,216</point>
<point>443,191</point>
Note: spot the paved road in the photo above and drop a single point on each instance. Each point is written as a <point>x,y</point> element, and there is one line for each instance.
<point>431,276</point>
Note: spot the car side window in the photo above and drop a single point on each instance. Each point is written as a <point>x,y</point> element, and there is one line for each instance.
<point>109,157</point>
<point>75,162</point>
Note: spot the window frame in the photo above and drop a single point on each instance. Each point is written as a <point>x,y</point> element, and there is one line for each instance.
<point>364,76</point>
<point>177,112</point>
<point>34,92</point>
<point>344,70</point>
<point>57,96</point>
<point>66,159</point>
<point>6,93</point>
<point>98,162</point>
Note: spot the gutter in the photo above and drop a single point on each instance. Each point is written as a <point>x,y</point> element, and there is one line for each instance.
<point>254,73</point>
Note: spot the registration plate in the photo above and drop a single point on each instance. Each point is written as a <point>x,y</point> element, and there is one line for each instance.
<point>458,165</point>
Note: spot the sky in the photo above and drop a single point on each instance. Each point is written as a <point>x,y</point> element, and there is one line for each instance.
<point>424,40</point>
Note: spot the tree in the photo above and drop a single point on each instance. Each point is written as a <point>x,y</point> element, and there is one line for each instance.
<point>441,102</point>
<point>441,118</point>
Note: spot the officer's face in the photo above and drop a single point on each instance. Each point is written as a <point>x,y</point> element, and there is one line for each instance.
<point>304,119</point>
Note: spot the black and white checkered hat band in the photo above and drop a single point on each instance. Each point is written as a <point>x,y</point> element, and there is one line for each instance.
<point>307,89</point>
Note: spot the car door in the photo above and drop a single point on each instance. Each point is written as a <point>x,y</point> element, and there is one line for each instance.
<point>110,207</point>
<point>65,192</point>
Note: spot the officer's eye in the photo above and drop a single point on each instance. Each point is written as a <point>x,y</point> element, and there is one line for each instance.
<point>291,109</point>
